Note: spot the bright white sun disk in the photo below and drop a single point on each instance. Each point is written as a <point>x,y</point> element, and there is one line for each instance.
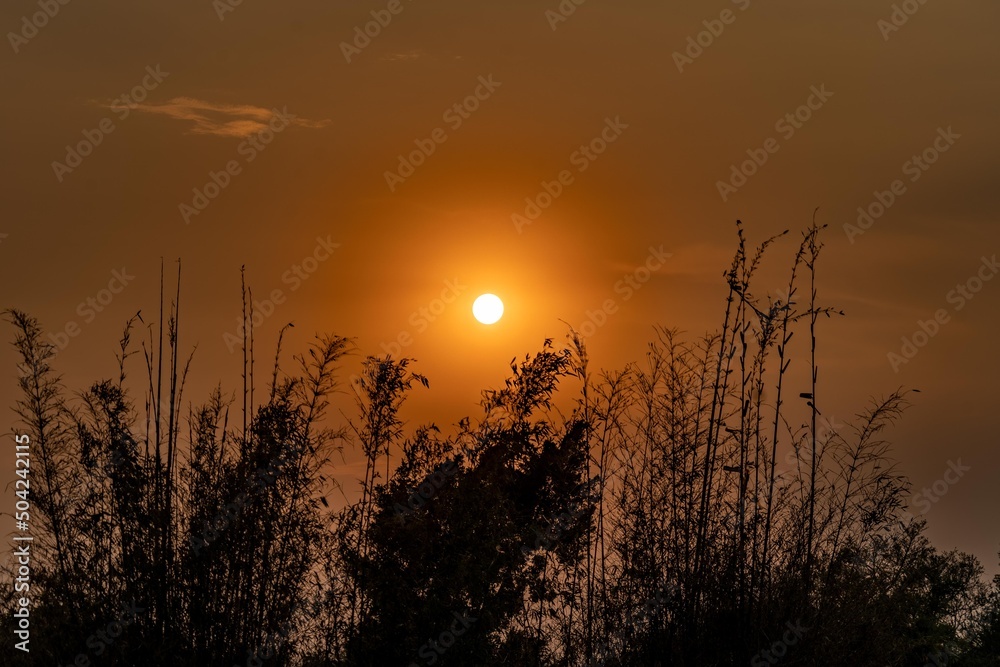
<point>488,308</point>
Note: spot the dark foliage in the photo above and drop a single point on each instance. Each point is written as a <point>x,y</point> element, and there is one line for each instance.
<point>676,516</point>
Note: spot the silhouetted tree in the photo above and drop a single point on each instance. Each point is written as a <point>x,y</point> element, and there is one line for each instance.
<point>657,524</point>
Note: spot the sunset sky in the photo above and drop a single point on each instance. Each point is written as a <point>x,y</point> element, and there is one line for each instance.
<point>374,186</point>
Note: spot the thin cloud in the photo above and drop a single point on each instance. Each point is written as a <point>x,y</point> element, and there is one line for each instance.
<point>415,54</point>
<point>406,55</point>
<point>222,120</point>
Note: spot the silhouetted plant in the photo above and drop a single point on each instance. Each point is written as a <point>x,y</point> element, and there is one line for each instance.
<point>653,525</point>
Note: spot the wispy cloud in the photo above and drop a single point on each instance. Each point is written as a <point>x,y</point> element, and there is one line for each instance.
<point>224,120</point>
<point>415,54</point>
<point>406,55</point>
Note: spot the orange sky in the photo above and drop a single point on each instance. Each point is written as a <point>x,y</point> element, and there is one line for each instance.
<point>612,109</point>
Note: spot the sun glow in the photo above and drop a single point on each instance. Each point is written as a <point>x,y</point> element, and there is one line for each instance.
<point>488,308</point>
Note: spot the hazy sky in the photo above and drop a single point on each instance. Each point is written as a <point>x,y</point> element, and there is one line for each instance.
<point>246,137</point>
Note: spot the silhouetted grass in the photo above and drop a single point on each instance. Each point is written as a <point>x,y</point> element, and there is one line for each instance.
<point>654,525</point>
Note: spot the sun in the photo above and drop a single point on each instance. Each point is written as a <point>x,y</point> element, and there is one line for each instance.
<point>488,308</point>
